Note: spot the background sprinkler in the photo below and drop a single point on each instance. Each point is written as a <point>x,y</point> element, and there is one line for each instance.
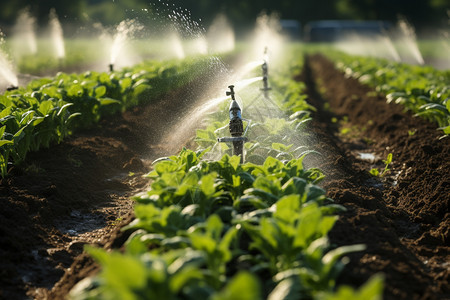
<point>265,73</point>
<point>268,103</point>
<point>265,88</point>
<point>236,126</point>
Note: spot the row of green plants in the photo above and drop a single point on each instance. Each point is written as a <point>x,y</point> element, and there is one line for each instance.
<point>221,230</point>
<point>421,89</point>
<point>47,110</point>
<point>218,229</point>
<point>80,54</point>
<point>84,53</point>
<point>278,130</point>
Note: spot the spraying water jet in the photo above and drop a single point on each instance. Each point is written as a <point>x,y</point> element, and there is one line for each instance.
<point>6,69</point>
<point>176,45</point>
<point>24,33</point>
<point>123,33</point>
<point>220,35</point>
<point>268,32</point>
<point>409,39</point>
<point>57,35</point>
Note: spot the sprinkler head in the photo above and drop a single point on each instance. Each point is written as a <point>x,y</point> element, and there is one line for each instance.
<point>231,92</point>
<point>235,109</point>
<point>111,67</point>
<point>12,88</point>
<point>236,127</point>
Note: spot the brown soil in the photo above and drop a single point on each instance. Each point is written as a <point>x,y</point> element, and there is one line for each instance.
<point>78,192</point>
<point>402,218</point>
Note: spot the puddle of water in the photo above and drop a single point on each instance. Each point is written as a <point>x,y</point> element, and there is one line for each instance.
<point>373,182</point>
<point>370,157</point>
<point>78,223</point>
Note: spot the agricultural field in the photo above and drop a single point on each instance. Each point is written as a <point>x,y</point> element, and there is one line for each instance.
<point>122,181</point>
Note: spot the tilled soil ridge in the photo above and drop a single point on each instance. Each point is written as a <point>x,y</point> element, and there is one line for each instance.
<point>403,217</point>
<point>76,193</point>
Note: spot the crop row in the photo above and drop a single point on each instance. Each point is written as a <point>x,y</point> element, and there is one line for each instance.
<point>47,110</point>
<point>421,89</point>
<point>218,229</point>
<point>80,53</point>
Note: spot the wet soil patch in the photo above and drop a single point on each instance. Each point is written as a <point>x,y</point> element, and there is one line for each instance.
<point>402,217</point>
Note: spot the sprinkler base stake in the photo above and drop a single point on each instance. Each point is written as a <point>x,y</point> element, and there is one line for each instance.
<point>232,139</point>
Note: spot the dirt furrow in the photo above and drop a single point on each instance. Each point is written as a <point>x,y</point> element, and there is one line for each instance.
<point>403,217</point>
<point>79,192</point>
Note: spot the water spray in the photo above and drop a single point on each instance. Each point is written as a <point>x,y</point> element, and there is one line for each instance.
<point>267,101</point>
<point>236,126</point>
<point>57,35</point>
<point>125,31</point>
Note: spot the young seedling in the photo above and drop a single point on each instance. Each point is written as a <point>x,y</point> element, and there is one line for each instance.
<point>386,162</point>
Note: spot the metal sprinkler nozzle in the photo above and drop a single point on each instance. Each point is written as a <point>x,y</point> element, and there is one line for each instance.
<point>265,73</point>
<point>231,92</point>
<point>111,67</point>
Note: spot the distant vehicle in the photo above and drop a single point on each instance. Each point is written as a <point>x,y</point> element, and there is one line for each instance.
<point>292,28</point>
<point>332,30</point>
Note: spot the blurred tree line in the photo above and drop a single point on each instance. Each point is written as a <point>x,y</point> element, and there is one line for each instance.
<point>240,12</point>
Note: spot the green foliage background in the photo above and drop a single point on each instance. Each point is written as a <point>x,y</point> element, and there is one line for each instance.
<point>241,12</point>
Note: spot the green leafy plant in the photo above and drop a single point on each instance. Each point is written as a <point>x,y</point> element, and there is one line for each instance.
<point>48,110</point>
<point>387,162</point>
<point>371,290</point>
<point>209,215</point>
<point>218,229</point>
